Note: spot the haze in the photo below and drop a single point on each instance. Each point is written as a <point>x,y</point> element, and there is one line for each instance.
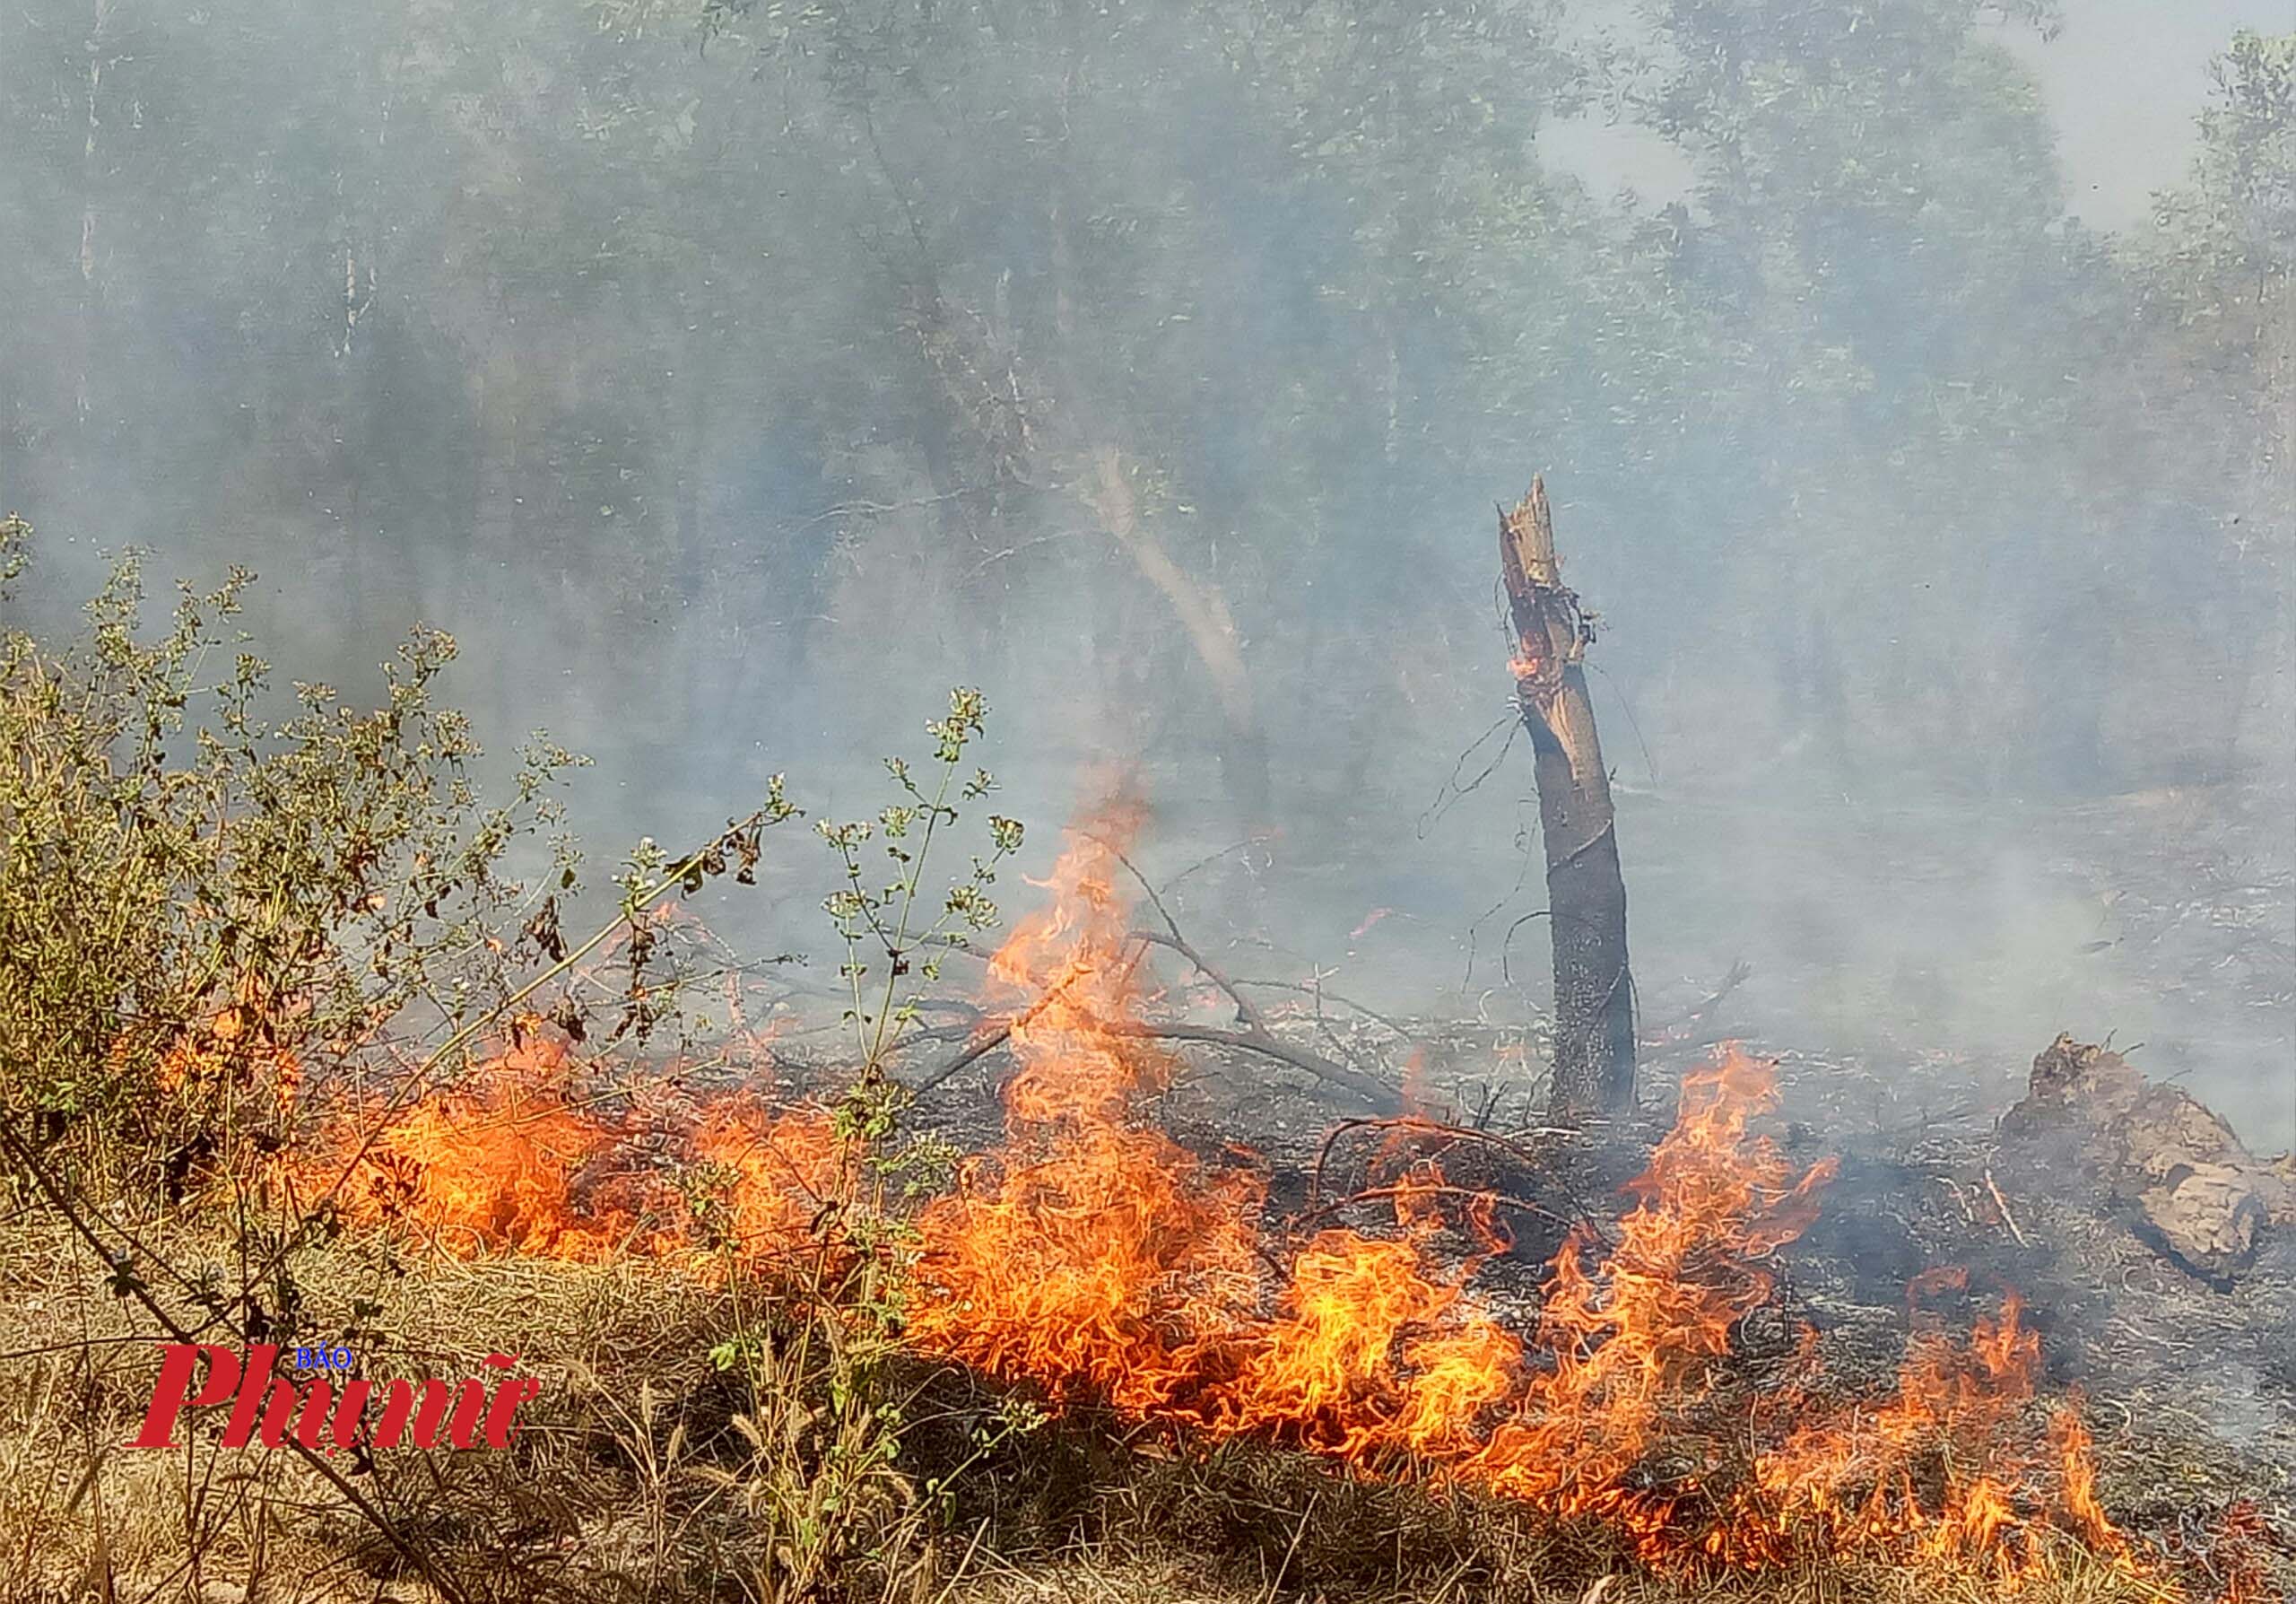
<point>1912,381</point>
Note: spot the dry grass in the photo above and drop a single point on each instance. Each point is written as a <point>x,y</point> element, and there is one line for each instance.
<point>1107,1578</point>
<point>581,1501</point>
<point>623,1487</point>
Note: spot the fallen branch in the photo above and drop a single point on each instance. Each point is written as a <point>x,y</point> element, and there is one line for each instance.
<point>1323,996</point>
<point>1420,1124</point>
<point>2002,1204</point>
<point>1256,1036</point>
<point>987,1041</point>
<point>1475,1197</point>
<point>1373,1092</point>
<point>1740,971</point>
<point>1515,1146</point>
<point>1368,1089</point>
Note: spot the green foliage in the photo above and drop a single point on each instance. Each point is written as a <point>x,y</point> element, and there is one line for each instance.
<point>195,893</point>
<point>2243,197</point>
<point>2217,264</point>
<point>2193,426</point>
<point>880,921</point>
<point>831,1392</point>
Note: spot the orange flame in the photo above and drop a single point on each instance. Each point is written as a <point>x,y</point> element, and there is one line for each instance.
<point>1094,1256</point>
<point>498,1166</point>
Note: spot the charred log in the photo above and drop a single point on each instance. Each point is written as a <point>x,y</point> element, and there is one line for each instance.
<point>2169,1165</point>
<point>1594,993</point>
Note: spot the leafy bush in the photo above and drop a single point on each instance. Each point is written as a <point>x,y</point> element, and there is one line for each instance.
<point>195,894</point>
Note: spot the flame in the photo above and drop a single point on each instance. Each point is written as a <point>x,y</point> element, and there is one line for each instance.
<point>1094,1256</point>
<point>519,1161</point>
<point>231,1047</point>
<point>784,1168</point>
<point>499,1165</point>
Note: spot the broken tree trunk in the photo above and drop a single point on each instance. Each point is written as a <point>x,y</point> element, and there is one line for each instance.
<point>1593,994</point>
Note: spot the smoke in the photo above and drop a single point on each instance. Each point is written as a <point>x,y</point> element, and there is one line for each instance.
<point>730,385</point>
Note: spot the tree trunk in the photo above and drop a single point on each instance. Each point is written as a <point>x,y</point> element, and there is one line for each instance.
<point>1594,994</point>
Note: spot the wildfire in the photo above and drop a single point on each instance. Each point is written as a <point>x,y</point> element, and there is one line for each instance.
<point>504,1163</point>
<point>1093,1255</point>
<point>228,1048</point>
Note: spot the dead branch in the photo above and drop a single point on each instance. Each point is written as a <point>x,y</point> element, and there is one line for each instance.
<point>1366,1089</point>
<point>986,1039</point>
<point>1471,1195</point>
<point>1255,1037</point>
<point>1515,1146</point>
<point>1245,1009</point>
<point>1323,995</point>
<point>1419,1124</point>
<point>1739,973</point>
<point>1178,943</point>
<point>2002,1204</point>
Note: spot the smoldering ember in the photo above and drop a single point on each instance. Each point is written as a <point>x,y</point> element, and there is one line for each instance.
<point>1604,914</point>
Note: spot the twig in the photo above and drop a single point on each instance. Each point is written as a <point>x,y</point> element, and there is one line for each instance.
<point>1513,1146</point>
<point>1420,1123</point>
<point>1325,995</point>
<point>1368,1089</point>
<point>1235,987</point>
<point>2002,1204</point>
<point>992,1034</point>
<point>1173,939</point>
<point>985,1041</point>
<point>1472,1194</point>
<point>637,905</point>
<point>1246,1010</point>
<point>1256,1037</point>
<point>1740,971</point>
<point>1291,1553</point>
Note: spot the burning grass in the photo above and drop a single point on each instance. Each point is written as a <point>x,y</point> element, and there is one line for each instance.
<point>616,1490</point>
<point>618,1487</point>
<point>1093,1264</point>
<point>1094,1259</point>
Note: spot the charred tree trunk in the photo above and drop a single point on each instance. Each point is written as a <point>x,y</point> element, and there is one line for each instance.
<point>1593,994</point>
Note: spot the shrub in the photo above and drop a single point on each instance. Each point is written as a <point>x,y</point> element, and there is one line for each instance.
<point>198,891</point>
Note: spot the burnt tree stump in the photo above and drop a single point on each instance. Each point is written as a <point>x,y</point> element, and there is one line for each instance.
<point>1594,994</point>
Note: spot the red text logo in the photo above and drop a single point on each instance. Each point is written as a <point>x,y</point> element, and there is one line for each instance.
<point>327,1413</point>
